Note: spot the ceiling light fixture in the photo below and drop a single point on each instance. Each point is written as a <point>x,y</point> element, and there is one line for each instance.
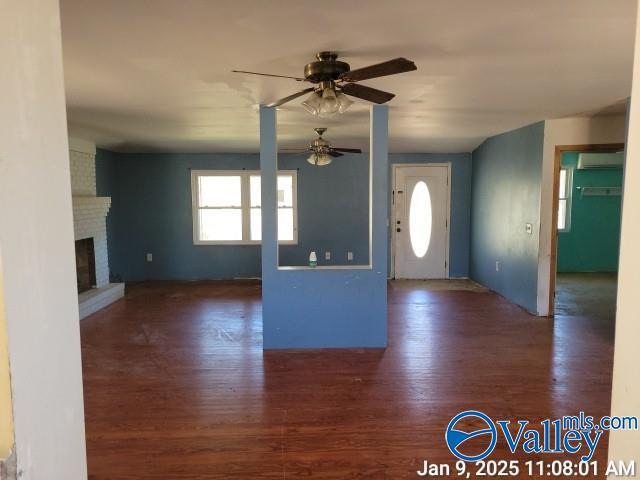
<point>329,105</point>
<point>326,101</point>
<point>319,159</point>
<point>312,103</point>
<point>343,102</point>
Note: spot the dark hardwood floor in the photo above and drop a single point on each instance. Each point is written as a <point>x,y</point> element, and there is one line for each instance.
<point>177,386</point>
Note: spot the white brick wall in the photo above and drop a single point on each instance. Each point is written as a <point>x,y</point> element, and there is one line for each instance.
<point>89,211</point>
<point>89,220</point>
<point>83,173</point>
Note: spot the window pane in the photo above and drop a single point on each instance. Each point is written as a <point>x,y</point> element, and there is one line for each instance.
<point>562,214</point>
<point>220,224</point>
<point>285,191</point>
<point>563,183</point>
<point>220,191</point>
<point>256,224</point>
<point>285,224</point>
<point>420,219</point>
<point>254,187</point>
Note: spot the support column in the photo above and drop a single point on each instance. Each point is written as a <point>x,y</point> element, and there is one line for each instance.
<point>269,190</point>
<point>325,307</point>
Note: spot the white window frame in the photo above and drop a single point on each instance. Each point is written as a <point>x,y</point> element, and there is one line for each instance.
<point>245,205</point>
<point>567,198</point>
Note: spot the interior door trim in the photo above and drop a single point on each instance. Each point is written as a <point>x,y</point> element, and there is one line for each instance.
<point>394,169</point>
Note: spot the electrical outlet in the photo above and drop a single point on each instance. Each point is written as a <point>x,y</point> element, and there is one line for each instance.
<point>529,228</point>
<point>497,265</point>
<point>149,257</point>
<point>350,256</point>
<point>327,255</point>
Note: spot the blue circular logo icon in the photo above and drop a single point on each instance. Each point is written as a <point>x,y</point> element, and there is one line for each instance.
<point>456,438</point>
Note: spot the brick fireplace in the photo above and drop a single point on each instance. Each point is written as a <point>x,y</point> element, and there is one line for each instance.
<point>90,228</point>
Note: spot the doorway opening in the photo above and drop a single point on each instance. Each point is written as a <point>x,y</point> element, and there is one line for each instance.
<point>420,220</point>
<point>586,236</point>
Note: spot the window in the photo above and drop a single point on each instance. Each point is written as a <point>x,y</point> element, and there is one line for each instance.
<point>564,200</point>
<point>227,207</point>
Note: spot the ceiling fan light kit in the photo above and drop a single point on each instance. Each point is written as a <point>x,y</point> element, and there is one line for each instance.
<point>312,103</point>
<point>329,105</point>
<point>344,102</point>
<point>319,160</point>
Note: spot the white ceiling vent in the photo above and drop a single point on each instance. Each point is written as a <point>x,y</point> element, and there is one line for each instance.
<point>600,160</point>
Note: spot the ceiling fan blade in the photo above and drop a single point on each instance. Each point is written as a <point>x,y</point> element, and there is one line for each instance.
<point>298,79</point>
<point>294,150</point>
<point>366,93</point>
<point>333,153</point>
<point>284,100</point>
<point>347,150</point>
<point>397,65</point>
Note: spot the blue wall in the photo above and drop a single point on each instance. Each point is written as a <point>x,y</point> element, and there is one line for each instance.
<point>506,180</point>
<point>593,241</point>
<point>333,204</point>
<point>151,212</point>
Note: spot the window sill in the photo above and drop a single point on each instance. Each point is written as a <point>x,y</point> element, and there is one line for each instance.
<point>235,244</point>
<point>327,267</point>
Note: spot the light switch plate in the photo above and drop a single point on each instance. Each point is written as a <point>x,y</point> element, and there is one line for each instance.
<point>350,256</point>
<point>149,257</point>
<point>327,255</point>
<point>529,228</point>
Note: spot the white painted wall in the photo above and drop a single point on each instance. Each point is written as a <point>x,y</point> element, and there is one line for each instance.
<point>566,131</point>
<point>625,445</point>
<point>36,239</point>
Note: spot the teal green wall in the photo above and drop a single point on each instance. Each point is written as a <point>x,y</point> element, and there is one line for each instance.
<point>593,241</point>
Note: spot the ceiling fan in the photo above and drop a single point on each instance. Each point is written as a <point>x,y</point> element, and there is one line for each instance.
<point>322,151</point>
<point>333,80</point>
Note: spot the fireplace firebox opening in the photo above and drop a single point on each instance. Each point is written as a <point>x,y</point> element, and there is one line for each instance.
<point>85,264</point>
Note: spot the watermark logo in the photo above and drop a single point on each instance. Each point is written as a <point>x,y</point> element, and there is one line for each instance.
<point>457,438</point>
<point>576,434</point>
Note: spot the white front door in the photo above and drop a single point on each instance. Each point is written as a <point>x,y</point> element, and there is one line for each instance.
<point>421,221</point>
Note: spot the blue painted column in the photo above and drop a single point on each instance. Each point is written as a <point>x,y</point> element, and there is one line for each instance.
<point>333,306</point>
<point>269,195</point>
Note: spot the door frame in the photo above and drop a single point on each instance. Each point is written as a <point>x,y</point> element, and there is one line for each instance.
<point>557,161</point>
<point>392,226</point>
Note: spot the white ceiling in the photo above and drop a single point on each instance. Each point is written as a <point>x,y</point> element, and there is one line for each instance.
<point>156,75</point>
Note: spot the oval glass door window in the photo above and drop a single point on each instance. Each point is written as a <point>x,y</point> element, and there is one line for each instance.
<point>420,219</point>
